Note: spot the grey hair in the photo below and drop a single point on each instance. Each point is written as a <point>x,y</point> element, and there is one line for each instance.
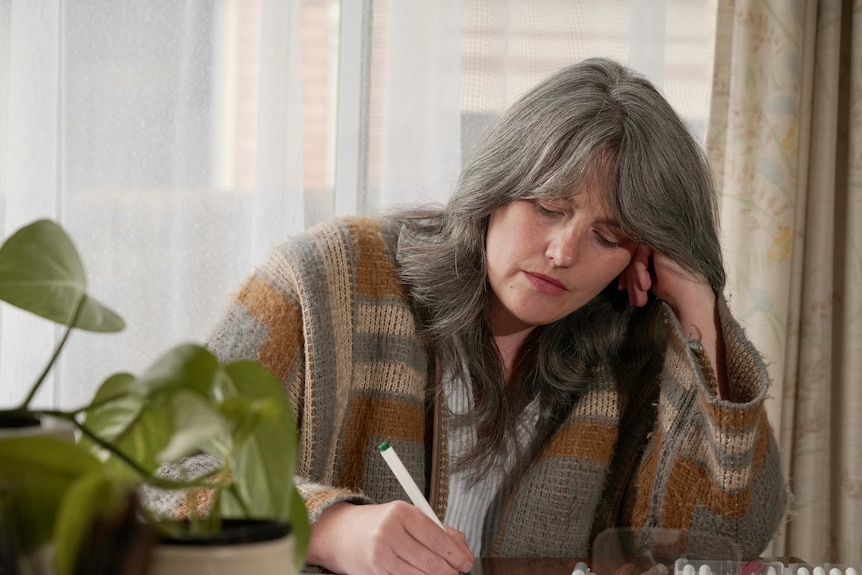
<point>596,121</point>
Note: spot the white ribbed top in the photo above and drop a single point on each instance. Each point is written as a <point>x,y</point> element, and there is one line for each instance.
<point>471,507</point>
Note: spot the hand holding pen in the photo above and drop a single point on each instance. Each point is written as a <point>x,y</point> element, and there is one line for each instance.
<point>393,537</point>
<point>409,485</point>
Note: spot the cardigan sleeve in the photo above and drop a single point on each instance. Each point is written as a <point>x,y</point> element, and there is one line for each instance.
<point>328,314</point>
<point>265,322</point>
<point>711,466</point>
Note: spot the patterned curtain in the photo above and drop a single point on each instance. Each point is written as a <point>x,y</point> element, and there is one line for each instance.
<point>785,141</point>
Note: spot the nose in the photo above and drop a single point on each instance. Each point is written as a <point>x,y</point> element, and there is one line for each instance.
<point>563,247</point>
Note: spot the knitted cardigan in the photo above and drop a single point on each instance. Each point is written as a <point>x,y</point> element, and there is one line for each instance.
<point>328,315</point>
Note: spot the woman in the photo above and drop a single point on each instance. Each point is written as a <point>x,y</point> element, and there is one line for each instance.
<point>549,353</point>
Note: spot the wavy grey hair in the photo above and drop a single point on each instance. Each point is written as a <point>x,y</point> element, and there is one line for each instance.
<point>596,121</point>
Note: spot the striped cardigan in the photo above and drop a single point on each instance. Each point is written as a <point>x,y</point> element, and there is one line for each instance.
<point>328,315</point>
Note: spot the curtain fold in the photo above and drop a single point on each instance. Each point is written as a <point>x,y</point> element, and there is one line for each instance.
<point>785,142</point>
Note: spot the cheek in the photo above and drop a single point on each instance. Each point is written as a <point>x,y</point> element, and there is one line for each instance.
<point>497,245</point>
<point>613,266</point>
<point>497,263</point>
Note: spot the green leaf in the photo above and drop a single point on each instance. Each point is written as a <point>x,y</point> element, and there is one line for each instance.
<point>36,473</point>
<point>114,407</point>
<point>300,528</point>
<point>118,417</point>
<point>94,495</point>
<point>41,272</point>
<point>144,441</point>
<point>185,367</point>
<point>245,415</point>
<point>263,466</point>
<point>239,412</point>
<point>166,414</point>
<point>195,423</point>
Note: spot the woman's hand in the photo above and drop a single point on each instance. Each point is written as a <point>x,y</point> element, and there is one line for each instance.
<point>690,297</point>
<point>391,537</point>
<point>687,294</point>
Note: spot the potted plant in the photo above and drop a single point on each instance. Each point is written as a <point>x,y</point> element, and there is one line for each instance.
<point>54,491</point>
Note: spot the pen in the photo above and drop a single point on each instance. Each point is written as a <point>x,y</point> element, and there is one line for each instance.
<point>406,481</point>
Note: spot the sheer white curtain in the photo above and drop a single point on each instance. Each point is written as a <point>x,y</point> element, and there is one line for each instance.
<point>178,140</point>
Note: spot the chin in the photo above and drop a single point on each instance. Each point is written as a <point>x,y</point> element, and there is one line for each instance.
<point>536,320</point>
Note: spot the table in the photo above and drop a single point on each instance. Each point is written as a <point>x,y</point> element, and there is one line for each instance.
<point>527,566</point>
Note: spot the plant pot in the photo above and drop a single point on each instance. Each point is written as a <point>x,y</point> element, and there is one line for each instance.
<point>23,423</point>
<point>242,546</point>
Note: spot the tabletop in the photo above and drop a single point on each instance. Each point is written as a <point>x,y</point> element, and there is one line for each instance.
<point>526,566</point>
<point>522,566</point>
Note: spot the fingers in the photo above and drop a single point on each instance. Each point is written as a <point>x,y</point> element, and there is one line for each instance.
<point>636,278</point>
<point>642,278</point>
<point>411,556</point>
<point>653,271</point>
<point>424,559</point>
<point>444,550</point>
<point>459,538</point>
<point>393,537</point>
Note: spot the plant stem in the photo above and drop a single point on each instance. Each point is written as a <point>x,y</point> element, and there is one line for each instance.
<point>235,492</point>
<point>156,481</point>
<point>69,327</point>
<point>104,444</point>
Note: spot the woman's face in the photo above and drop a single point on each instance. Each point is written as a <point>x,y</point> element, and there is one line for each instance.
<point>547,258</point>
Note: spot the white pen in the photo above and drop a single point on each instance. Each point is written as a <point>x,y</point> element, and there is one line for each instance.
<point>406,481</point>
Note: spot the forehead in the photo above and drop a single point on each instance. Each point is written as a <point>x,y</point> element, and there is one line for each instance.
<point>596,176</point>
<point>593,196</point>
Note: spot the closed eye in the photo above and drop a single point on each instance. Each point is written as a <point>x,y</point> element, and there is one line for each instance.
<point>606,240</point>
<point>548,208</point>
<point>610,235</point>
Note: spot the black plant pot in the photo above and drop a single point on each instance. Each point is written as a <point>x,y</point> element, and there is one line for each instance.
<point>236,531</point>
<point>18,419</point>
<point>15,423</point>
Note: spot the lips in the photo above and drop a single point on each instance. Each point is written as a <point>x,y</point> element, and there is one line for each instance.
<point>546,284</point>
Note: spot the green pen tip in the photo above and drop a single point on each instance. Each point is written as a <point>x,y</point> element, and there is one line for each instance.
<point>384,446</point>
